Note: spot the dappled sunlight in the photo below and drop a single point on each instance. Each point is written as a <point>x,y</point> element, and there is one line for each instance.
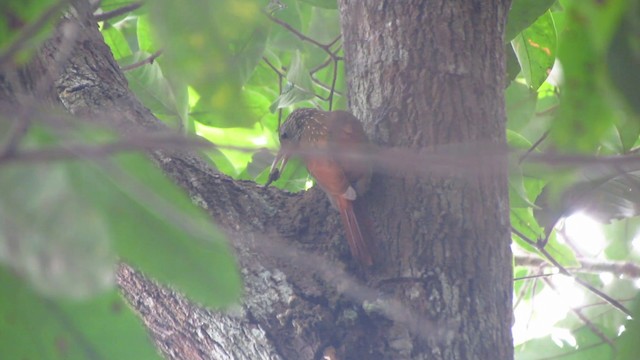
<point>532,323</point>
<point>538,317</point>
<point>584,233</point>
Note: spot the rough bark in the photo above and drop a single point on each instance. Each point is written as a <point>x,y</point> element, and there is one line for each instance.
<point>425,74</point>
<point>420,74</point>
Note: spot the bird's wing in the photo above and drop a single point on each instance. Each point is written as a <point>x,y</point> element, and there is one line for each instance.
<point>330,177</point>
<point>350,148</point>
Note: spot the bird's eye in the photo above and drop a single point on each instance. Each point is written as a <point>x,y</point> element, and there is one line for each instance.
<point>284,135</point>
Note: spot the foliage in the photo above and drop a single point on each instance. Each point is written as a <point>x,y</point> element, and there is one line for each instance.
<point>232,70</point>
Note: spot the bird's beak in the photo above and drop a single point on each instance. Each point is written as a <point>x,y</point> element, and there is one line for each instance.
<point>277,166</point>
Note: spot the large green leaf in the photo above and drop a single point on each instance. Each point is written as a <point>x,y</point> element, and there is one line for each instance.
<point>144,31</point>
<point>72,219</point>
<point>535,48</point>
<point>50,235</point>
<point>204,47</point>
<point>629,345</point>
<point>33,326</point>
<point>517,193</point>
<point>587,111</point>
<point>513,66</point>
<point>520,105</point>
<point>116,42</point>
<point>249,54</point>
<point>17,40</point>
<point>158,229</point>
<point>150,85</point>
<point>623,61</point>
<point>523,13</point>
<point>619,234</point>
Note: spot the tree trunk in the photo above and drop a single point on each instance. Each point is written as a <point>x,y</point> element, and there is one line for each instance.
<point>421,74</point>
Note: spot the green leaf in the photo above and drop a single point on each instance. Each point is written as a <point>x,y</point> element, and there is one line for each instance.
<point>144,32</point>
<point>281,38</point>
<point>221,162</point>
<point>628,342</point>
<point>324,27</point>
<point>520,105</point>
<point>299,87</point>
<point>249,54</point>
<point>586,112</point>
<point>52,236</point>
<point>258,168</point>
<point>517,193</point>
<point>522,220</point>
<point>163,98</point>
<point>17,17</point>
<point>619,233</point>
<point>628,128</point>
<point>83,214</point>
<point>523,13</point>
<point>158,229</point>
<point>36,327</point>
<point>258,104</point>
<point>623,61</point>
<point>513,66</point>
<point>203,46</point>
<point>326,4</point>
<point>116,42</point>
<point>535,48</point>
<point>246,138</point>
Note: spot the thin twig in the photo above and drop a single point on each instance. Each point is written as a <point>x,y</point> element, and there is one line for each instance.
<point>325,87</point>
<point>576,159</point>
<point>301,36</point>
<point>117,12</point>
<point>534,146</point>
<point>326,63</point>
<point>273,67</point>
<point>333,83</point>
<point>323,65</point>
<point>334,41</point>
<point>536,276</point>
<point>628,269</point>
<point>148,60</point>
<point>280,77</point>
<point>30,31</point>
<point>613,302</point>
<point>137,143</point>
<point>585,320</point>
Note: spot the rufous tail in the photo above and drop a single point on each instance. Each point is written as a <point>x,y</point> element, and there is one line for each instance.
<point>357,244</point>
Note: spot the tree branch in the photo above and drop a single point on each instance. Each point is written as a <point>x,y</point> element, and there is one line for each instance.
<point>148,60</point>
<point>538,245</point>
<point>117,12</point>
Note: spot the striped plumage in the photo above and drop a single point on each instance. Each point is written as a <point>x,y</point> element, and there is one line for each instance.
<point>331,144</point>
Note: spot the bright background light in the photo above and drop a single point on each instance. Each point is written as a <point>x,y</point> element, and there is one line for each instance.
<point>539,316</point>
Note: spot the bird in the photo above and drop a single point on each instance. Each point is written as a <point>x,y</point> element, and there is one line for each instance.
<point>331,144</point>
